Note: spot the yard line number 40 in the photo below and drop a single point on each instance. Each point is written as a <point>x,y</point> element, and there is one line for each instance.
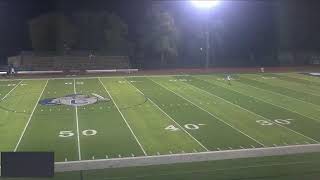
<point>187,126</point>
<point>88,132</point>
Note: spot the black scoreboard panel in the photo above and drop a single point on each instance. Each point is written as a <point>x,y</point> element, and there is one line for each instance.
<point>27,164</point>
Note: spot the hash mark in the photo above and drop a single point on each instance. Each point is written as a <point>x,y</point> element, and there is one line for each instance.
<point>230,147</point>
<point>194,150</point>
<point>119,155</point>
<point>158,153</point>
<point>274,145</point>
<point>219,149</point>
<point>132,155</point>
<point>253,146</point>
<point>92,157</point>
<point>107,157</point>
<point>170,152</point>
<point>241,147</point>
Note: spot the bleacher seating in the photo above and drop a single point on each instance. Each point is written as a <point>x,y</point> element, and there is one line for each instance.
<point>68,62</point>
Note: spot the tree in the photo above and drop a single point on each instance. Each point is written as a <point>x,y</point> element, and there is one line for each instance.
<point>115,34</point>
<point>161,36</point>
<point>102,31</point>
<point>52,32</point>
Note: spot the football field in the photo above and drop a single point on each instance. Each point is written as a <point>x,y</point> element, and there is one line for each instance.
<point>117,117</point>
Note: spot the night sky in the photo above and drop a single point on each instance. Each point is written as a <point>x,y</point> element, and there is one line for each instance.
<point>252,22</point>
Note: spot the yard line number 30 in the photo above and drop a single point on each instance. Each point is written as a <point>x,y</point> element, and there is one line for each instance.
<point>276,121</point>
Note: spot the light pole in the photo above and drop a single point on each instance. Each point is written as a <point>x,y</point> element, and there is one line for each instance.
<point>206,5</point>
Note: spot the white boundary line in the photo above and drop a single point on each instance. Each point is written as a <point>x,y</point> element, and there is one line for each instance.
<point>265,117</point>
<point>301,78</point>
<point>30,117</point>
<point>312,80</point>
<point>197,153</point>
<point>11,91</point>
<point>170,118</point>
<point>293,89</point>
<point>287,97</point>
<point>211,114</point>
<point>184,158</point>
<point>135,137</point>
<point>77,121</point>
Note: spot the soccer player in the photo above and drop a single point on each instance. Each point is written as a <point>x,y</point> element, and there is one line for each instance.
<point>229,79</point>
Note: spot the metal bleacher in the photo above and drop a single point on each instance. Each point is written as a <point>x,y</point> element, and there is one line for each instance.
<point>42,62</point>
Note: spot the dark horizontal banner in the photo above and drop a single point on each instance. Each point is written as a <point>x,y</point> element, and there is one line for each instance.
<point>27,164</point>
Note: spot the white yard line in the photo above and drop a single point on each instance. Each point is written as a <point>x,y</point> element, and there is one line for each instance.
<point>288,97</point>
<point>281,94</point>
<point>212,115</point>
<point>277,85</point>
<point>77,121</point>
<point>30,117</point>
<point>171,119</point>
<point>11,91</point>
<point>135,137</point>
<point>263,116</point>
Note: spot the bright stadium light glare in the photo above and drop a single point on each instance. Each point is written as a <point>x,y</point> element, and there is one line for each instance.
<point>205,4</point>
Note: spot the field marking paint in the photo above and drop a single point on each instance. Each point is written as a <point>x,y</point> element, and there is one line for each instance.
<point>30,117</point>
<point>171,119</point>
<point>260,115</point>
<point>135,137</point>
<point>273,92</point>
<point>77,121</point>
<point>293,147</point>
<point>4,97</point>
<point>212,115</point>
<point>287,97</point>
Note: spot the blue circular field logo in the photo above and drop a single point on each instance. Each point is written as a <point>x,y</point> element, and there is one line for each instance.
<point>74,100</point>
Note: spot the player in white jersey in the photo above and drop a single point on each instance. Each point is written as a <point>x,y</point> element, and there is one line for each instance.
<point>229,79</point>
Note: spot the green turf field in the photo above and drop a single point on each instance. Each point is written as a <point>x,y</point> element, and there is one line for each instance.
<point>156,115</point>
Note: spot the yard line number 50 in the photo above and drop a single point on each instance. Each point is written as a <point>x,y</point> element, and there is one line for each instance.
<point>88,132</point>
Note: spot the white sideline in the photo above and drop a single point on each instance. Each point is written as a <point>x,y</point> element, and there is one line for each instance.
<point>77,121</point>
<point>184,158</point>
<point>135,137</point>
<point>192,137</point>
<point>30,117</point>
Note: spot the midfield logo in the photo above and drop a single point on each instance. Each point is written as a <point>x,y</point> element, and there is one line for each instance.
<point>74,100</point>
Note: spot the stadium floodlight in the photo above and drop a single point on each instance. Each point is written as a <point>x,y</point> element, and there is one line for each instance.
<point>205,4</point>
